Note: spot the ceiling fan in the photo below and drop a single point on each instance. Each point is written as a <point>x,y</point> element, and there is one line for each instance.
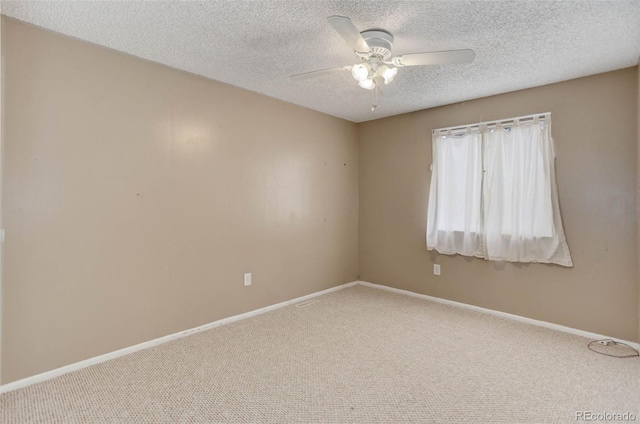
<point>377,68</point>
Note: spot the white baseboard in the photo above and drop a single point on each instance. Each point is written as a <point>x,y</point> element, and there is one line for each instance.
<point>155,342</point>
<point>14,385</point>
<point>545,324</point>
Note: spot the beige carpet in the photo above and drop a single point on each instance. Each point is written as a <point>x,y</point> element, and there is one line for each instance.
<point>359,355</point>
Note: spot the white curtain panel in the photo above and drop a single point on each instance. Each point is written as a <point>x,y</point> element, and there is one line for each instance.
<point>454,220</point>
<point>493,195</point>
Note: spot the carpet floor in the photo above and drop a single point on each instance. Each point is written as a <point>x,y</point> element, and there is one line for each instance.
<point>358,355</point>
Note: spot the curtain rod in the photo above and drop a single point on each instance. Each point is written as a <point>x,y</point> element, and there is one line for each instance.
<point>488,123</point>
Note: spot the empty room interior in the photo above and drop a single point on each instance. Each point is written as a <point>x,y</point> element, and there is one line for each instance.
<point>288,211</point>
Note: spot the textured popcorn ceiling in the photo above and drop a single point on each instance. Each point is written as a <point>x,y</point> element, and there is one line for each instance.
<point>257,45</point>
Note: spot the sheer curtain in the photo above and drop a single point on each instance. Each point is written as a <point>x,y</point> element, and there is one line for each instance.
<point>493,195</point>
<point>454,219</point>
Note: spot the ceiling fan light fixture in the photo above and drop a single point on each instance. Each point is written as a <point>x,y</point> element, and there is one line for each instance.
<point>360,72</point>
<point>367,84</point>
<point>388,73</point>
<point>376,68</point>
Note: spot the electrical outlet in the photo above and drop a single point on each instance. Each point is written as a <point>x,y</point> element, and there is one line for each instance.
<point>247,279</point>
<point>436,269</point>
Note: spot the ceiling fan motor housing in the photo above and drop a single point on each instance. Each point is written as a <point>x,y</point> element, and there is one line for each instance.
<point>380,42</point>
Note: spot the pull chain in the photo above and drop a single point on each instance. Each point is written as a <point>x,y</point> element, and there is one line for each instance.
<point>374,99</point>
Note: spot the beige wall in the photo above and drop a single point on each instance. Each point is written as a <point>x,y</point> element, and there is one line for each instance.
<point>1,160</point>
<point>594,126</point>
<point>136,196</point>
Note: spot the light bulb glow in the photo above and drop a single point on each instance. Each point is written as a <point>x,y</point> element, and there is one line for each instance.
<point>360,72</point>
<point>388,73</point>
<point>367,84</point>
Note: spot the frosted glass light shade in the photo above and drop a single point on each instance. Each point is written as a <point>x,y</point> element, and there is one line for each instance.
<point>388,73</point>
<point>367,84</point>
<point>360,72</point>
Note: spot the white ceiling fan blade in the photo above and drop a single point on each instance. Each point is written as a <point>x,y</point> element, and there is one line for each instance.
<point>387,90</point>
<point>447,57</point>
<point>314,74</point>
<point>346,28</point>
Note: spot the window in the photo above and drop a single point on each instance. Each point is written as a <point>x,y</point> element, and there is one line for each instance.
<point>493,193</point>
